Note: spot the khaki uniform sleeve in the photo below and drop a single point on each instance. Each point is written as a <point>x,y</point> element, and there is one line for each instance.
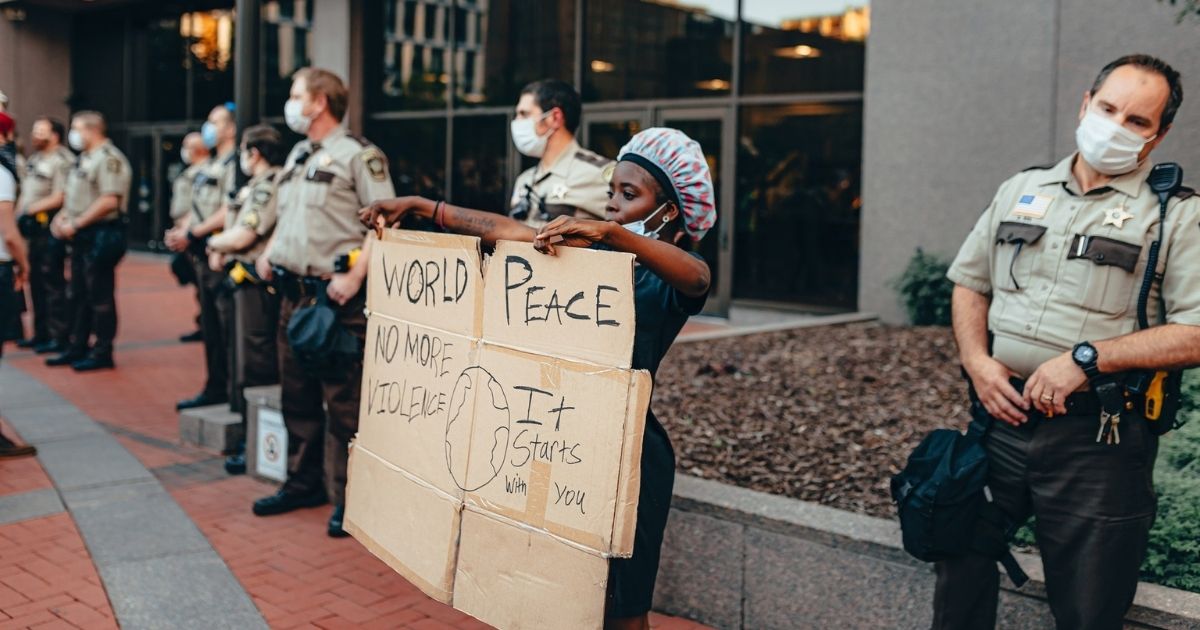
<point>1181,279</point>
<point>259,212</point>
<point>587,191</point>
<point>58,180</point>
<point>372,182</point>
<point>114,177</point>
<point>181,195</point>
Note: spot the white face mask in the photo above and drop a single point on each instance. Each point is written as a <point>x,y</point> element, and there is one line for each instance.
<point>526,138</point>
<point>75,139</point>
<point>246,162</point>
<point>293,115</point>
<point>185,157</point>
<point>1106,146</point>
<point>639,227</point>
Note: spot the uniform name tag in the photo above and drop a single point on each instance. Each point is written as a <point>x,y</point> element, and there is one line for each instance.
<point>1032,206</point>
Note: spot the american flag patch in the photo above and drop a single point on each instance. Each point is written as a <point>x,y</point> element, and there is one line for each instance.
<point>1032,206</point>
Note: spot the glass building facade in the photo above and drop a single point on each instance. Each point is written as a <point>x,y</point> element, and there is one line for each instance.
<point>772,89</point>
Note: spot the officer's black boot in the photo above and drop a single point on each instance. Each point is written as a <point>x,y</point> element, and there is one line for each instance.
<point>203,399</point>
<point>50,347</point>
<point>94,362</point>
<point>235,463</point>
<point>335,523</point>
<point>284,501</point>
<point>68,357</point>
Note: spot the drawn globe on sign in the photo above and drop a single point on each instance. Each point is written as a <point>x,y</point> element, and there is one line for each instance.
<point>475,463</point>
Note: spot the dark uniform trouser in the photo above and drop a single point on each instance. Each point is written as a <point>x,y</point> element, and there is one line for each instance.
<point>216,317</point>
<point>311,440</point>
<point>255,331</point>
<point>48,287</point>
<point>1093,505</point>
<point>95,252</point>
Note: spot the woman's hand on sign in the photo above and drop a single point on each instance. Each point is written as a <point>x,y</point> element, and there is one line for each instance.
<point>388,212</point>
<point>570,232</point>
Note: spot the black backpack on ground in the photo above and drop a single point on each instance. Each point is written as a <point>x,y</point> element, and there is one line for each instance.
<point>942,497</point>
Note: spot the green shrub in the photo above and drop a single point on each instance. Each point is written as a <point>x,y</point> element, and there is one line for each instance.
<point>925,290</point>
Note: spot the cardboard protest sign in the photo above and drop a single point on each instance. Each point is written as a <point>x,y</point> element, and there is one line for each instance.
<point>498,455</point>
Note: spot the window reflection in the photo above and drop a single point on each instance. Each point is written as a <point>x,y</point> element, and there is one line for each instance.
<point>798,204</point>
<point>287,40</point>
<point>416,151</point>
<point>503,45</point>
<point>480,149</point>
<point>416,53</point>
<point>803,45</point>
<point>647,49</point>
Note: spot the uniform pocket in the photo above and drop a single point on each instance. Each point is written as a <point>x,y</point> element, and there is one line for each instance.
<point>317,189</point>
<point>1013,269</point>
<point>1110,280</point>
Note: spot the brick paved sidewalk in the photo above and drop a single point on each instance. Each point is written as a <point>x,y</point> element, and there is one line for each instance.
<point>296,575</point>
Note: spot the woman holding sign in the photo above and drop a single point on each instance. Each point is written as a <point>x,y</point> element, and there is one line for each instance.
<point>660,191</point>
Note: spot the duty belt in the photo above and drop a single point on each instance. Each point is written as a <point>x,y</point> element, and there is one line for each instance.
<point>296,287</point>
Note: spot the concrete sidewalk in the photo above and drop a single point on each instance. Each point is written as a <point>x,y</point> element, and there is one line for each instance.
<point>116,523</point>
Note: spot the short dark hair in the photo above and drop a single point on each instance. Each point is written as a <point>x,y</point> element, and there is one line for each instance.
<point>268,141</point>
<point>1149,63</point>
<point>551,93</point>
<point>56,126</point>
<point>93,120</point>
<point>322,81</point>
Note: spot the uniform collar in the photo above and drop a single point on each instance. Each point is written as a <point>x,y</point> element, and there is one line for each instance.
<point>1129,184</point>
<point>337,133</point>
<point>267,174</point>
<point>562,165</point>
<point>99,147</point>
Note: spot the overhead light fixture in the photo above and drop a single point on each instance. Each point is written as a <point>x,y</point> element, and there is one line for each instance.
<point>14,14</point>
<point>714,85</point>
<point>602,66</point>
<point>803,51</point>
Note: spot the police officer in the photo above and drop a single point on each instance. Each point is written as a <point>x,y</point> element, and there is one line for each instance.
<point>43,190</point>
<point>91,220</point>
<point>248,225</point>
<point>194,155</point>
<point>213,186</point>
<point>325,180</point>
<point>567,180</point>
<point>1052,273</point>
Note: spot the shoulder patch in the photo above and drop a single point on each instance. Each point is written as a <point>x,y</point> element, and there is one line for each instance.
<point>1040,167</point>
<point>592,158</point>
<point>113,165</point>
<point>375,162</point>
<point>262,195</point>
<point>250,220</point>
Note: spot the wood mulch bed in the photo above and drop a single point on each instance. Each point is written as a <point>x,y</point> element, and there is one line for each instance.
<point>822,414</point>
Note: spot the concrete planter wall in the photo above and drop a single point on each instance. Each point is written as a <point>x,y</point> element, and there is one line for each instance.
<point>736,558</point>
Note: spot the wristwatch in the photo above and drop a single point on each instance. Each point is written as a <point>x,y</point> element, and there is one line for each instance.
<point>1086,357</point>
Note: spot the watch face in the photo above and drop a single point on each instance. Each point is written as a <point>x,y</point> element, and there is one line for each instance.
<point>1085,354</point>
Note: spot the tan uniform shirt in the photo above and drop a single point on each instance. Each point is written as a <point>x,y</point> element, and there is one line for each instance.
<point>181,190</point>
<point>321,189</point>
<point>213,185</point>
<point>1064,267</point>
<point>45,174</point>
<point>574,185</point>
<point>101,171</point>
<point>253,207</point>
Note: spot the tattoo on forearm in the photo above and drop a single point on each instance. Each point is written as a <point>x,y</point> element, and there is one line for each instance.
<point>473,223</point>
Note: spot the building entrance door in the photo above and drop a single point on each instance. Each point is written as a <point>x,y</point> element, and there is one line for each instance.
<point>153,152</point>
